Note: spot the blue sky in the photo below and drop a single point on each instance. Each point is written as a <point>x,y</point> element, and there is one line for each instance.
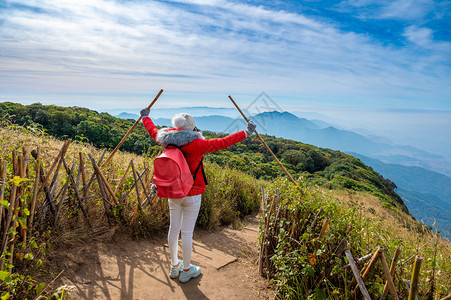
<point>336,56</point>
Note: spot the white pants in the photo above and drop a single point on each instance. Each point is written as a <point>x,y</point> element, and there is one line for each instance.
<point>184,212</point>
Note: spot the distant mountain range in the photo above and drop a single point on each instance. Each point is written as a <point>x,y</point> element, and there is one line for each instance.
<point>196,111</point>
<point>321,134</point>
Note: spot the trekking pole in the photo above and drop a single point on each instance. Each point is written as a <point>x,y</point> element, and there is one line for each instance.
<point>266,145</point>
<point>130,131</point>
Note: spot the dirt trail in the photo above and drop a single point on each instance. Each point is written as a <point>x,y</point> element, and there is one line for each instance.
<point>128,269</point>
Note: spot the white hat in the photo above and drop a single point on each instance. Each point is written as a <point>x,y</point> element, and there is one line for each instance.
<point>183,121</point>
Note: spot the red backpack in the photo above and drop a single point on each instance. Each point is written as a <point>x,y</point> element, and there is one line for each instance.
<point>173,177</point>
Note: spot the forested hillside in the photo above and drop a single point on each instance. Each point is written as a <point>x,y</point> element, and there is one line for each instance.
<point>318,166</point>
<point>77,123</point>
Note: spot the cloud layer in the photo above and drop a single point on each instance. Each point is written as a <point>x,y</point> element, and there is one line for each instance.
<point>100,49</point>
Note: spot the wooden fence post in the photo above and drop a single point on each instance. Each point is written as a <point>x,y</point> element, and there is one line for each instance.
<point>366,270</point>
<point>388,276</point>
<point>36,187</point>
<point>392,271</point>
<point>415,275</point>
<point>357,277</point>
<point>136,187</point>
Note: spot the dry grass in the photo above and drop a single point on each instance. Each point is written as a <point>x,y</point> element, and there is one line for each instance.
<point>68,231</point>
<point>392,228</point>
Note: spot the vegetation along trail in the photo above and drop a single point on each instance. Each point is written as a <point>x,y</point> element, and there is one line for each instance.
<point>69,224</point>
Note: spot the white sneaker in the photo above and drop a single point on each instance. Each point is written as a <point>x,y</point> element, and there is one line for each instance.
<point>192,273</point>
<point>175,271</point>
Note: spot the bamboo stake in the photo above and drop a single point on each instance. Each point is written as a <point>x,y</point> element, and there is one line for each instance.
<point>16,209</point>
<point>324,228</point>
<point>10,211</point>
<point>26,153</point>
<point>123,197</point>
<point>35,188</point>
<point>3,168</point>
<point>14,158</point>
<point>388,276</point>
<point>102,177</point>
<point>62,154</point>
<point>86,187</point>
<point>357,277</point>
<point>266,145</point>
<point>106,203</point>
<point>415,274</point>
<point>45,177</point>
<point>366,271</point>
<point>136,187</point>
<point>22,202</point>
<point>392,271</point>
<point>44,185</point>
<point>6,230</point>
<point>263,241</point>
<point>447,297</point>
<point>53,188</point>
<point>82,169</point>
<point>145,192</point>
<point>341,247</point>
<point>64,190</point>
<point>130,131</point>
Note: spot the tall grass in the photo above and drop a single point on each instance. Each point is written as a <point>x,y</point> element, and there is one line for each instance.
<point>303,264</point>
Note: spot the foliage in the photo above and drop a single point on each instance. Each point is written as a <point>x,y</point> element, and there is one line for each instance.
<point>77,123</point>
<point>303,263</point>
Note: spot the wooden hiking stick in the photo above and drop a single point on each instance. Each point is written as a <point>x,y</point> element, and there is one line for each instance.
<point>130,131</point>
<point>266,145</point>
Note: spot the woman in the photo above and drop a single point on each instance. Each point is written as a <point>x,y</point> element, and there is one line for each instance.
<point>184,211</point>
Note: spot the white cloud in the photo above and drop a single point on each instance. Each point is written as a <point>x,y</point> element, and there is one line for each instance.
<point>423,37</point>
<point>389,9</point>
<point>130,47</point>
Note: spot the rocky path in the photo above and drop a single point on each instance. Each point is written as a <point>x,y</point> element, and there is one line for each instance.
<point>128,269</point>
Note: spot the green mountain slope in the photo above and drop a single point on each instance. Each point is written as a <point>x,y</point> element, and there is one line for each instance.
<point>427,193</point>
<point>318,166</point>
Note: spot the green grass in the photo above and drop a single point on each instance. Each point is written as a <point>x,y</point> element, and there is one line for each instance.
<point>303,264</point>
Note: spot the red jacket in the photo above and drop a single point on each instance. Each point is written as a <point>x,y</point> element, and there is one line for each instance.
<point>194,150</point>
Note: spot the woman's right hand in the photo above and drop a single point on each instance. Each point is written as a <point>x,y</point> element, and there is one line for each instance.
<point>144,112</point>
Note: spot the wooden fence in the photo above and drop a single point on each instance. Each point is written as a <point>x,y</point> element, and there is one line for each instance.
<point>273,212</point>
<point>33,194</point>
